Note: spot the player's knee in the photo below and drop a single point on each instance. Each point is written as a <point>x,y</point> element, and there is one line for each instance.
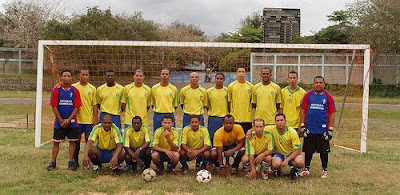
<point>176,158</point>
<point>299,162</point>
<point>155,156</point>
<point>206,154</point>
<point>245,159</point>
<point>182,153</point>
<point>214,154</point>
<point>268,159</point>
<point>276,162</point>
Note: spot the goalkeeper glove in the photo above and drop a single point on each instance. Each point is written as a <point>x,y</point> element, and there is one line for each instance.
<point>328,135</point>
<point>302,129</point>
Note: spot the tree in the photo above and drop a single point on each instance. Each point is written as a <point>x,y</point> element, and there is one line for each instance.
<point>337,33</point>
<point>375,23</point>
<point>24,22</point>
<point>178,31</point>
<point>250,31</point>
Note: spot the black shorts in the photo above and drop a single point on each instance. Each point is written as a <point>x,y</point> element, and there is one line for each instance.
<point>316,143</point>
<point>60,134</point>
<point>246,126</point>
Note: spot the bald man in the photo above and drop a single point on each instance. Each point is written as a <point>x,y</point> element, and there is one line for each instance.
<point>193,100</point>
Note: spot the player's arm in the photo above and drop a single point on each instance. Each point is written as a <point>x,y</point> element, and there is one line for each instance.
<point>57,114</point>
<point>73,114</point>
<point>171,143</point>
<point>220,150</point>
<point>129,151</point>
<point>278,107</point>
<point>331,120</point>
<point>253,173</point>
<point>114,160</point>
<point>249,134</point>
<point>86,161</point>
<point>95,115</point>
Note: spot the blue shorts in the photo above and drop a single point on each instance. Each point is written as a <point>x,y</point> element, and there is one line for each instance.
<point>186,120</point>
<point>282,157</point>
<point>115,118</point>
<point>157,119</point>
<point>105,155</point>
<point>163,157</point>
<point>84,128</point>
<point>214,123</point>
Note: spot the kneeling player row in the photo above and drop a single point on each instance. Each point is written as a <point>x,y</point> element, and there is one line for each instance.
<point>272,146</point>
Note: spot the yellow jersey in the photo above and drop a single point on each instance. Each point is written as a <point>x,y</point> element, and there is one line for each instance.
<point>223,138</point>
<point>257,145</point>
<point>106,140</point>
<point>160,141</point>
<point>239,95</point>
<point>217,101</point>
<point>88,98</point>
<point>109,98</point>
<point>266,97</point>
<point>286,142</point>
<point>137,99</point>
<point>195,139</point>
<point>291,101</point>
<point>164,99</point>
<point>193,100</point>
<point>134,139</point>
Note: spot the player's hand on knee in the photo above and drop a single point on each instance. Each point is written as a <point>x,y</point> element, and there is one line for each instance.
<point>249,134</point>
<point>114,163</point>
<point>284,163</point>
<point>170,154</point>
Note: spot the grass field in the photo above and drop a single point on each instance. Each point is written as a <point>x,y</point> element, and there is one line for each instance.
<point>23,168</point>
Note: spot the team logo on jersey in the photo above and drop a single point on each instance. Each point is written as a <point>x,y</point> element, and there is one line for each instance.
<point>280,141</point>
<point>142,136</point>
<point>226,97</point>
<point>145,95</point>
<point>201,137</point>
<point>249,91</point>
<point>170,94</point>
<point>89,93</point>
<point>272,93</point>
<point>290,100</point>
<point>201,97</point>
<point>117,94</point>
<point>71,94</point>
<point>323,101</point>
<point>111,137</point>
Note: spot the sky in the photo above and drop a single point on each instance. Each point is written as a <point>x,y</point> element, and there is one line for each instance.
<point>212,16</point>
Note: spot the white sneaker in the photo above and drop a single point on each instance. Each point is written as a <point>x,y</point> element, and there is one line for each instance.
<point>96,168</point>
<point>304,172</point>
<point>264,171</point>
<point>324,174</point>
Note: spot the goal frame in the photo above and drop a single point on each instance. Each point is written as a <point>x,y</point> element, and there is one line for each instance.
<point>366,73</point>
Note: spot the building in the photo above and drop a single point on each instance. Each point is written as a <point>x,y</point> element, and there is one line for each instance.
<point>280,24</point>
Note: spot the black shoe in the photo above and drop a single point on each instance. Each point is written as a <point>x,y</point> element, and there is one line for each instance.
<point>277,173</point>
<point>73,166</point>
<point>51,167</point>
<point>116,171</point>
<point>293,174</point>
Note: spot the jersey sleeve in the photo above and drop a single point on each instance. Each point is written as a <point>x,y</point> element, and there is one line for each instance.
<point>98,96</point>
<point>271,142</point>
<point>127,135</point>
<point>207,139</point>
<point>282,98</point>
<point>77,98</point>
<point>217,140</point>
<point>124,94</point>
<point>253,95</point>
<point>148,97</point>
<point>249,147</point>
<point>230,93</point>
<point>176,140</point>
<point>240,133</point>
<point>156,138</point>
<point>278,94</point>
<point>184,136</point>
<point>54,97</point>
<point>146,134</point>
<point>205,99</point>
<point>176,97</point>
<point>94,98</point>
<point>94,134</point>
<point>182,96</point>
<point>117,135</point>
<point>296,144</point>
<point>304,103</point>
<point>331,104</point>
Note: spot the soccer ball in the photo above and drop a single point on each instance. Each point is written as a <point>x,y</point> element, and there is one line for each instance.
<point>148,175</point>
<point>203,176</point>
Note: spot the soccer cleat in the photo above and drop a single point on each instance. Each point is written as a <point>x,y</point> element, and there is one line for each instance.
<point>234,171</point>
<point>72,166</point>
<point>264,172</point>
<point>211,167</point>
<point>116,171</point>
<point>127,167</point>
<point>246,167</point>
<point>172,171</point>
<point>133,171</point>
<point>160,171</point>
<point>277,173</point>
<point>185,170</point>
<point>51,167</point>
<point>324,174</point>
<point>96,167</point>
<point>293,174</point>
<point>304,172</point>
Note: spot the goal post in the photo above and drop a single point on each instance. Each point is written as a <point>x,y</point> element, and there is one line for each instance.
<point>182,56</point>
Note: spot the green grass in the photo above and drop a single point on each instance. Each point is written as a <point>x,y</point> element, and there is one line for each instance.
<point>23,167</point>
